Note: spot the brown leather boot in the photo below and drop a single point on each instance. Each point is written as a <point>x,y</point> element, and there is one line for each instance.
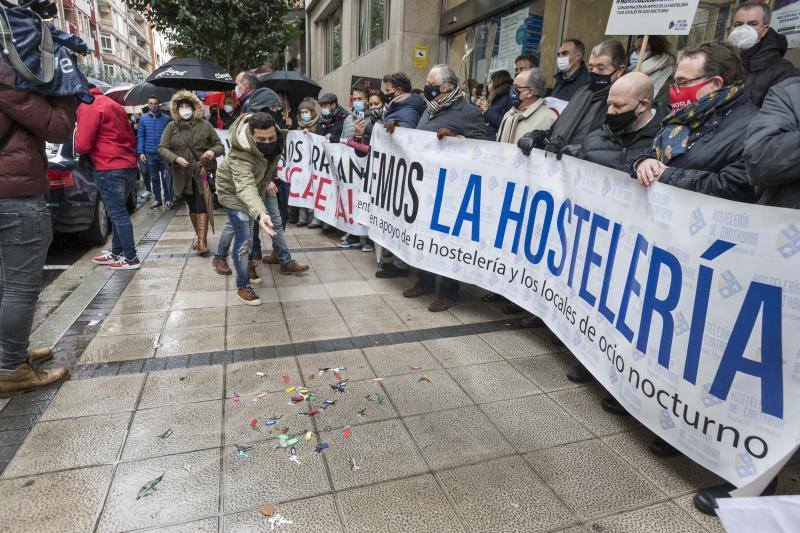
<point>248,296</point>
<point>202,233</point>
<point>40,355</point>
<point>416,291</point>
<point>193,218</point>
<point>440,303</point>
<point>271,259</point>
<point>220,264</point>
<point>252,273</point>
<point>293,267</point>
<point>26,378</point>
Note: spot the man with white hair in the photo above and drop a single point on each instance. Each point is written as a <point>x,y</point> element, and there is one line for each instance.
<point>528,111</point>
<point>449,114</point>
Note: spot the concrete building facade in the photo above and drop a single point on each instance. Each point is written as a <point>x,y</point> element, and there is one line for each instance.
<point>351,39</point>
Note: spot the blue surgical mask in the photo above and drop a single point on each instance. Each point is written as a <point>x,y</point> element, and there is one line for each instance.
<point>358,107</point>
<point>634,58</point>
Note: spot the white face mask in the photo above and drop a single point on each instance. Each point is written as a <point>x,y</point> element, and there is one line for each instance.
<point>185,113</point>
<point>743,37</point>
<point>562,63</point>
<point>228,109</point>
<point>305,116</point>
<point>238,92</point>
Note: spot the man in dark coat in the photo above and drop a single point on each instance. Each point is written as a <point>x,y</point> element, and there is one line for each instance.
<point>332,117</point>
<point>762,49</point>
<point>572,72</point>
<point>774,130</point>
<point>700,144</point>
<point>27,120</point>
<point>586,111</point>
<point>772,147</point>
<point>449,114</point>
<point>630,127</point>
<point>403,106</point>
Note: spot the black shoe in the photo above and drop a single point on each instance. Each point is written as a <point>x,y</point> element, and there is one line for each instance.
<point>579,374</point>
<point>661,448</point>
<point>705,500</point>
<point>532,321</point>
<point>391,271</point>
<point>611,405</point>
<point>156,205</point>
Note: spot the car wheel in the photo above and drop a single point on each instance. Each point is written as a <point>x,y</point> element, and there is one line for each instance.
<point>97,233</point>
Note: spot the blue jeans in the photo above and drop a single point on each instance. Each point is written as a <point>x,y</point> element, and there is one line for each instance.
<point>113,186</point>
<point>279,245</point>
<point>158,173</point>
<point>26,232</point>
<point>241,224</point>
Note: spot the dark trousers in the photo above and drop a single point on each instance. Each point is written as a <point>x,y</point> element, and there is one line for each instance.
<point>196,202</point>
<point>26,232</point>
<point>113,186</point>
<point>448,288</point>
<point>159,176</point>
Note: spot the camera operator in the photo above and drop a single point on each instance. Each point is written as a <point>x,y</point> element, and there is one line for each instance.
<point>27,120</point>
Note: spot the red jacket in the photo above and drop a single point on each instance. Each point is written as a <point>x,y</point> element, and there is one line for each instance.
<point>23,164</point>
<point>104,134</point>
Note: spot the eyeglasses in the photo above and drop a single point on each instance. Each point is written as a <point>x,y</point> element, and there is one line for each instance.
<point>676,86</point>
<point>518,88</point>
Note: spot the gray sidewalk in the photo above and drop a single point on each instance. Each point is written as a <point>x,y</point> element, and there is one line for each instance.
<point>454,421</point>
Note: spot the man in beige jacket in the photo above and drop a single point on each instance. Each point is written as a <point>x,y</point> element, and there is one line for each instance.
<point>529,111</point>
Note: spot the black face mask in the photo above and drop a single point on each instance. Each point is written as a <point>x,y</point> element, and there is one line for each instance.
<point>431,91</point>
<point>598,82</point>
<point>156,110</point>
<point>389,96</point>
<point>618,122</point>
<point>268,149</point>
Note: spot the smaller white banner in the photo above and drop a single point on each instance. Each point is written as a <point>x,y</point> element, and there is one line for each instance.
<point>651,17</point>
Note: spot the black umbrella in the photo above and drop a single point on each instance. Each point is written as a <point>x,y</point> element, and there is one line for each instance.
<point>139,93</point>
<point>293,84</point>
<point>193,74</point>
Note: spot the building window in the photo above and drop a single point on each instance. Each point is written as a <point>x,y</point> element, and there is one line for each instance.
<point>106,43</point>
<point>333,40</point>
<point>110,71</point>
<point>373,24</point>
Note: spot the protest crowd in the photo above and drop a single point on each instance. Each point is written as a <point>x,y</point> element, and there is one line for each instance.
<point>721,119</point>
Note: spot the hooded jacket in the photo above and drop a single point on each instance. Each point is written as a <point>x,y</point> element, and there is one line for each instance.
<point>405,110</point>
<point>776,130</point>
<point>188,139</point>
<point>104,134</point>
<point>765,66</point>
<point>616,151</point>
<point>567,86</point>
<point>244,174</point>
<point>34,119</point>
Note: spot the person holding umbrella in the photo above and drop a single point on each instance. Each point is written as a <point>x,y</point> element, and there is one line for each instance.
<point>151,128</point>
<point>191,145</point>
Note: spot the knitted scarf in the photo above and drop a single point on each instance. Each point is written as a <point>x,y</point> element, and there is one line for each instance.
<point>434,107</point>
<point>673,139</point>
<point>310,125</point>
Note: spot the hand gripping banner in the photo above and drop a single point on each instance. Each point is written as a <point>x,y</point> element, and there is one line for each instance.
<point>685,307</point>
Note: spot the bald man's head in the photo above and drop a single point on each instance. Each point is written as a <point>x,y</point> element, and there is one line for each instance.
<point>631,96</point>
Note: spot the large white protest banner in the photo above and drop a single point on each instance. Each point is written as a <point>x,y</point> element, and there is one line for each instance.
<point>326,177</point>
<point>685,307</point>
<point>651,17</point>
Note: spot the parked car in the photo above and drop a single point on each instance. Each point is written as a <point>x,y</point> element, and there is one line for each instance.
<point>73,198</point>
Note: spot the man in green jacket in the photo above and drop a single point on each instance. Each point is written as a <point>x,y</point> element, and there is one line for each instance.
<point>243,179</point>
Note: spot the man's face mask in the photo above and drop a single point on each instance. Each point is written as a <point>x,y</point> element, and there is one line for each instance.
<point>268,149</point>
<point>326,113</point>
<point>744,37</point>
<point>228,108</point>
<point>155,109</point>
<point>431,92</point>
